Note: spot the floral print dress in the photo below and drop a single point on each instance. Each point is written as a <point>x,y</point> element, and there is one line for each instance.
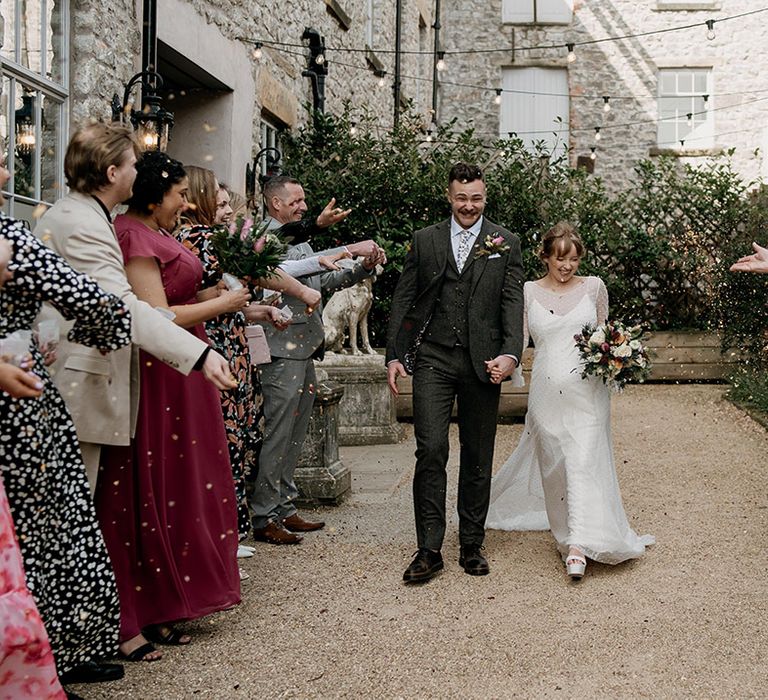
<point>67,566</point>
<point>243,406</point>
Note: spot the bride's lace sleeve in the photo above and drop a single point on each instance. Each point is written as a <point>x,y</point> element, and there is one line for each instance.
<point>526,301</point>
<point>601,302</point>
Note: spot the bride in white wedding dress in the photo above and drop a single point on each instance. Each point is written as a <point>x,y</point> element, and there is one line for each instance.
<point>562,475</point>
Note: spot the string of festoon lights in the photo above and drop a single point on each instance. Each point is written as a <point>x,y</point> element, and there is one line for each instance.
<point>608,100</point>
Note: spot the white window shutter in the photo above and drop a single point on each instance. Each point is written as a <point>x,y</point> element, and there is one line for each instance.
<point>554,11</point>
<point>517,11</point>
<point>532,112</point>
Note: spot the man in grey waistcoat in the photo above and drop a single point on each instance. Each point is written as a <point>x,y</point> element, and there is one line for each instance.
<point>289,380</point>
<point>456,324</point>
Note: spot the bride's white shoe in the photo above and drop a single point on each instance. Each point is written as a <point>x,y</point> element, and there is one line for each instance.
<point>575,566</point>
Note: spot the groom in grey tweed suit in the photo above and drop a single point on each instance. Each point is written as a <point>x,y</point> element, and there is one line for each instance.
<point>457,325</point>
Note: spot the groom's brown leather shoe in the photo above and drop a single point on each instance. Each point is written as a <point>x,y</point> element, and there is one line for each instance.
<point>275,533</point>
<point>424,566</point>
<point>473,562</point>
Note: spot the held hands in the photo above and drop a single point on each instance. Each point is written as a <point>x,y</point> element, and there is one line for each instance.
<point>19,383</point>
<point>395,369</point>
<point>757,262</point>
<point>217,372</point>
<point>332,214</point>
<point>500,368</point>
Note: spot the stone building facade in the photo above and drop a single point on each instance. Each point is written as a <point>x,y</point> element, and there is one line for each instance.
<point>665,75</point>
<point>228,99</point>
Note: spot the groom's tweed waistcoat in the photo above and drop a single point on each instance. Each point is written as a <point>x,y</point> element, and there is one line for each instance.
<point>449,325</point>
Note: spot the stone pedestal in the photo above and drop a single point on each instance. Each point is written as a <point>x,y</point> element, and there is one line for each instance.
<point>320,476</point>
<point>368,414</point>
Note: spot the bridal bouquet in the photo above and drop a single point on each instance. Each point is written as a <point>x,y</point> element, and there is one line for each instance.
<point>246,250</point>
<point>614,352</point>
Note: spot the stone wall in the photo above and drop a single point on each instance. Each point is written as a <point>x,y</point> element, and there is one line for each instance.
<point>627,68</point>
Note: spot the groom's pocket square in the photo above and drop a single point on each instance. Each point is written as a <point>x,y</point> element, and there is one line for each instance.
<point>495,255</point>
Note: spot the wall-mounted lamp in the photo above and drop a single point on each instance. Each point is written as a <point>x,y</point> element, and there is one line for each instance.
<point>266,164</point>
<point>25,126</point>
<point>152,123</point>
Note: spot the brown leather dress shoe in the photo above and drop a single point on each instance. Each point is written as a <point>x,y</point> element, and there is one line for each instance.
<point>275,533</point>
<point>295,523</point>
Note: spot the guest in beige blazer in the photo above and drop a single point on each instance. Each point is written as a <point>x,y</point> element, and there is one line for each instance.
<point>101,391</point>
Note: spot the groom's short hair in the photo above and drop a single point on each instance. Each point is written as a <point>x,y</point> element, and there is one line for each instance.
<point>465,172</point>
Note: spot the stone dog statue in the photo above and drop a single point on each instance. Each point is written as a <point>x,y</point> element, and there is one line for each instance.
<point>348,309</point>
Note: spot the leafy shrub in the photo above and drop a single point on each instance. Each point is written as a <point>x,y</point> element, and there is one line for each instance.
<point>663,245</point>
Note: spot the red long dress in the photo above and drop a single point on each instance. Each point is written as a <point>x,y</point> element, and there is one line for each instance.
<point>166,504</point>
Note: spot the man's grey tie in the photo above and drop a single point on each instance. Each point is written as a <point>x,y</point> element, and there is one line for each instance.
<point>462,253</point>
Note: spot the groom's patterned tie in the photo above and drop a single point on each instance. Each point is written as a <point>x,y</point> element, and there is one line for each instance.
<point>462,253</point>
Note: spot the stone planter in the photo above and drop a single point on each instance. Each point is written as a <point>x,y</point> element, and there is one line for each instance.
<point>367,413</point>
<point>321,477</point>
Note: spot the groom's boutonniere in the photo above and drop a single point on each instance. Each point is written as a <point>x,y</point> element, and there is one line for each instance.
<point>493,246</point>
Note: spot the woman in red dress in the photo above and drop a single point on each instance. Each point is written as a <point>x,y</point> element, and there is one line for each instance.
<point>166,504</point>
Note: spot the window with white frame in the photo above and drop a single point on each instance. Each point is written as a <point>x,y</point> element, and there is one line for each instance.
<point>535,107</point>
<point>537,11</point>
<point>270,138</point>
<point>34,48</point>
<point>685,108</point>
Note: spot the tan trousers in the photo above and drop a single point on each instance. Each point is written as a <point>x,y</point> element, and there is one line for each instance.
<point>91,452</point>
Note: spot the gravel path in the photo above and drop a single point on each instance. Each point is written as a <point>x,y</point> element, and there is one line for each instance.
<point>331,618</point>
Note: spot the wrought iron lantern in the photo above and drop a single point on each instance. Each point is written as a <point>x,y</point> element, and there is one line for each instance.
<point>152,123</point>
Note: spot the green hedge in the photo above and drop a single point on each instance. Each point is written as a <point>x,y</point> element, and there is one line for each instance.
<point>663,245</point>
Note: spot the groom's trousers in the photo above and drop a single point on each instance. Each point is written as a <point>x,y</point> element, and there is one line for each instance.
<point>442,374</point>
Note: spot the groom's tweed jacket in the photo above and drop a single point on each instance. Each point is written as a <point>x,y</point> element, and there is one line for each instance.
<point>481,308</point>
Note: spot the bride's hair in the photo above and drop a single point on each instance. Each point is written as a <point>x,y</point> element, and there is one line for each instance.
<point>559,239</point>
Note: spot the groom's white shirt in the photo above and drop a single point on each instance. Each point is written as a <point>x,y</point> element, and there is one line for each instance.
<point>456,232</point>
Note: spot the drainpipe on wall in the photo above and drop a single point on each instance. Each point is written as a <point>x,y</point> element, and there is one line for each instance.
<point>436,27</point>
<point>398,41</point>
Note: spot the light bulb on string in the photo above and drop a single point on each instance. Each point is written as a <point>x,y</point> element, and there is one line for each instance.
<point>257,52</point>
<point>682,143</point>
<point>440,65</point>
<point>429,136</point>
<point>710,29</point>
<point>497,99</point>
<point>689,118</point>
<point>705,98</point>
<point>571,54</point>
<point>593,155</point>
<point>382,81</point>
<point>597,133</point>
<point>352,128</point>
<point>606,104</point>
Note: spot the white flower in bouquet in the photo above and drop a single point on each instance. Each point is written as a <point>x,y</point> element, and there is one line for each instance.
<point>622,350</point>
<point>635,344</point>
<point>598,337</point>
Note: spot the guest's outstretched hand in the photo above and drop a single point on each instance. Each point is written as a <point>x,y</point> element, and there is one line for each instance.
<point>757,262</point>
<point>332,214</point>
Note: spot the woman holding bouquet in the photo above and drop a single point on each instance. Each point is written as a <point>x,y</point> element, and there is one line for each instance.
<point>562,475</point>
<point>165,502</point>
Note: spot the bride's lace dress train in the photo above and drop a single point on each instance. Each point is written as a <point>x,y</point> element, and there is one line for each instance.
<point>562,475</point>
